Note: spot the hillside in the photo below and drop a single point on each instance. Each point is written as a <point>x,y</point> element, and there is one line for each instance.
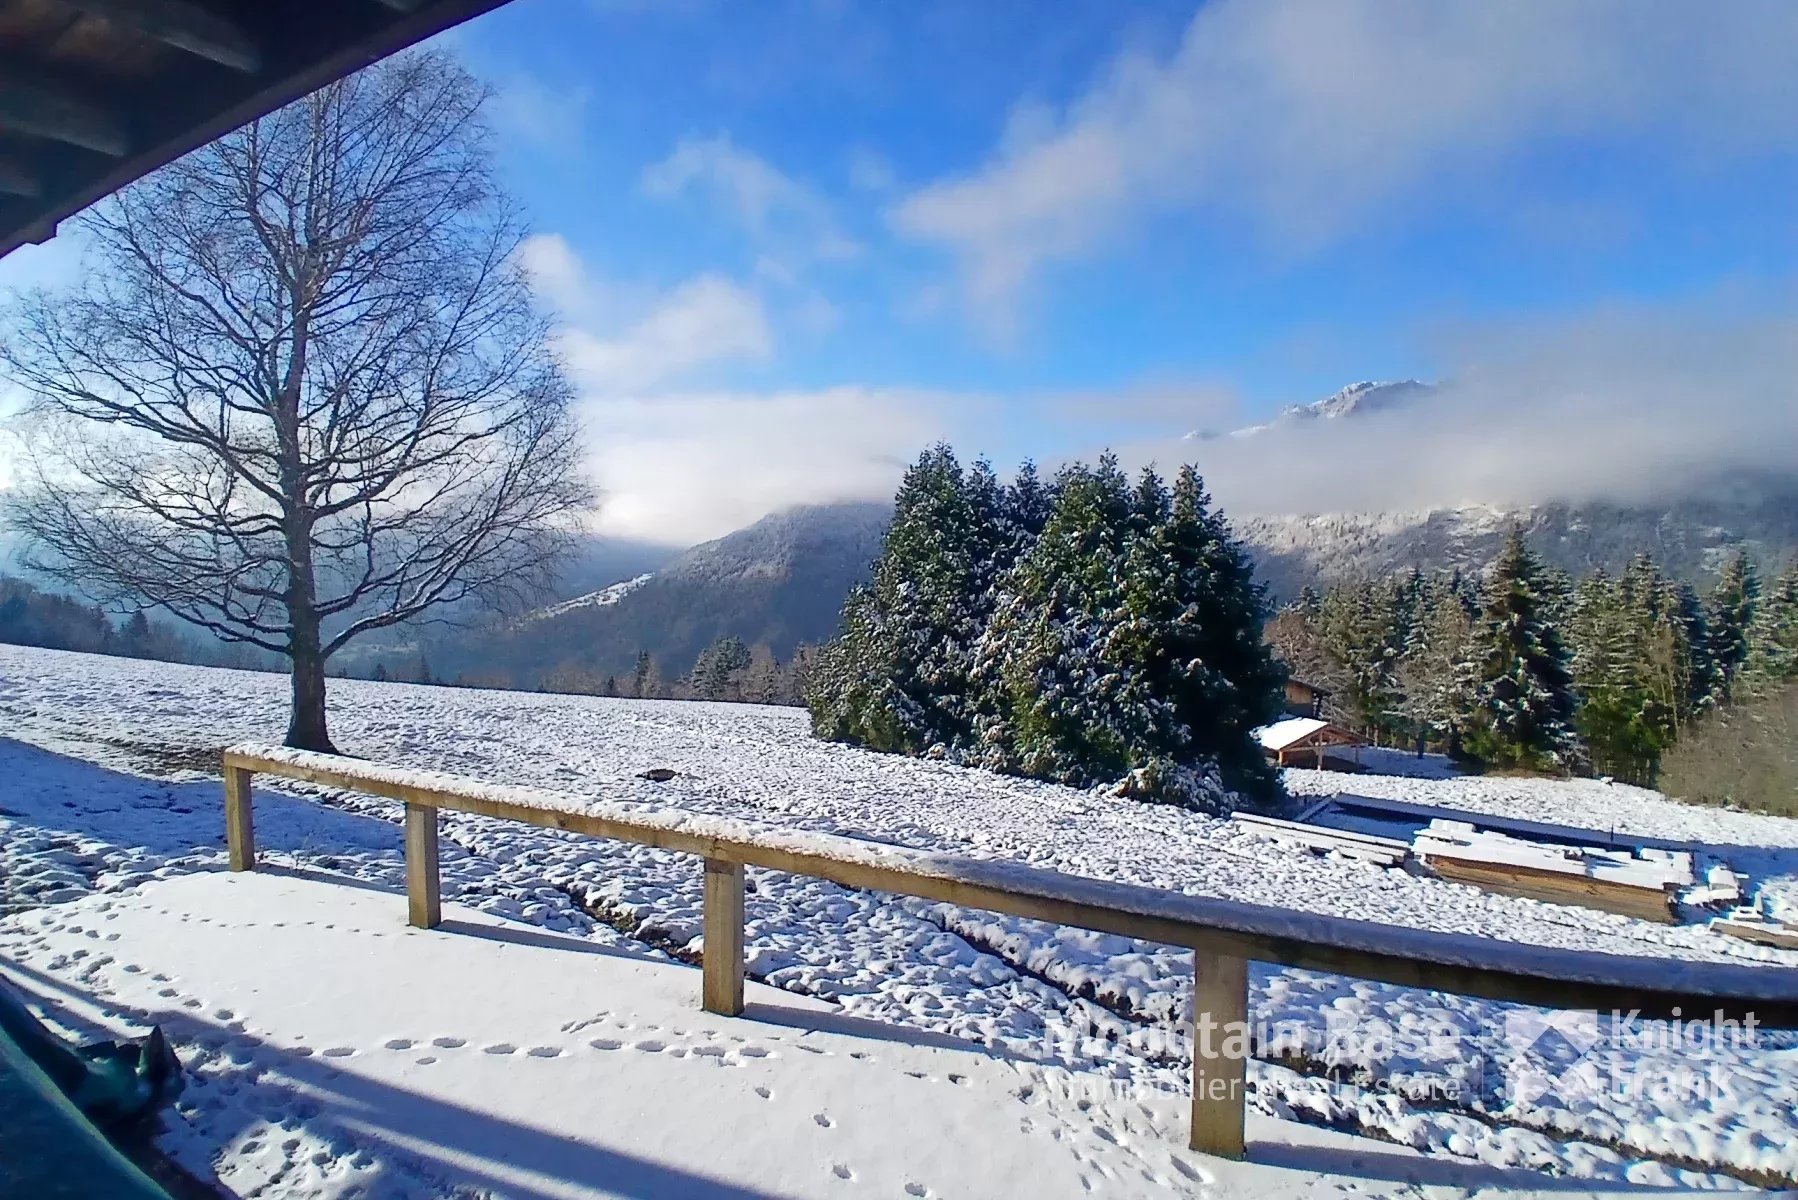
<point>779,583</point>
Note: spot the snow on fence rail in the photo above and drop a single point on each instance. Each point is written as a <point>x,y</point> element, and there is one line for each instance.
<point>1225,935</point>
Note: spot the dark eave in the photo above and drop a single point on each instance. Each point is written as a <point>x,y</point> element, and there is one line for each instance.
<point>96,93</point>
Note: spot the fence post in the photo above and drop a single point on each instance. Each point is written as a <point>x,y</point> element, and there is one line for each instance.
<point>1219,1080</point>
<point>723,959</point>
<point>424,899</point>
<point>240,827</point>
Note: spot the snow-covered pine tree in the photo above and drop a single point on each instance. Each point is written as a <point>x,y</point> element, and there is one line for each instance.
<point>1052,707</point>
<point>1360,624</point>
<point>1773,638</point>
<point>1728,615</point>
<point>1694,629</point>
<point>1197,613</point>
<point>898,677</point>
<point>1524,702</point>
<point>1430,678</point>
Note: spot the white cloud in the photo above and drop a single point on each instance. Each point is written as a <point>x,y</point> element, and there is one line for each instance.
<point>870,170</point>
<point>1627,406</point>
<point>614,341</point>
<point>685,468</point>
<point>1310,116</point>
<point>704,320</point>
<point>553,118</point>
<point>789,223</point>
<point>680,464</point>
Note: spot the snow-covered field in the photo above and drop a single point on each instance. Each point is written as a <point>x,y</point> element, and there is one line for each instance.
<point>1093,1017</point>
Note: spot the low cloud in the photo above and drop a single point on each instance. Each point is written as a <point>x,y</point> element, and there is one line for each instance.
<point>1628,407</point>
<point>685,468</point>
<point>1311,117</point>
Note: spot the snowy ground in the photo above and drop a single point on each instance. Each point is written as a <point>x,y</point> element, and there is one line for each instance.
<point>1097,1014</point>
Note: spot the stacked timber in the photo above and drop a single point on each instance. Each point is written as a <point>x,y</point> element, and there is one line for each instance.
<point>1385,852</point>
<point>1639,883</point>
<point>1748,923</point>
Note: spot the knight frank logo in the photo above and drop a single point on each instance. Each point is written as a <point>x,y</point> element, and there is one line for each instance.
<point>1573,1056</point>
<point>1549,1052</point>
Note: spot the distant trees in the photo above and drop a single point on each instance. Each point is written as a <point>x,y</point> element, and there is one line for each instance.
<point>1536,673</point>
<point>303,392</point>
<point>30,617</point>
<point>1088,632</point>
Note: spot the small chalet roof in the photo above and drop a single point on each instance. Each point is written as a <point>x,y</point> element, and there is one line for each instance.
<point>1282,734</point>
<point>1308,686</point>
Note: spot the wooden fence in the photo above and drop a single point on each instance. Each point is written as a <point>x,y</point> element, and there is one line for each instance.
<point>1225,935</point>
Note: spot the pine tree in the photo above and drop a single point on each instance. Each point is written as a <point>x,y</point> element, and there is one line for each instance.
<point>1524,702</point>
<point>898,677</point>
<point>1054,709</point>
<point>1772,658</point>
<point>1196,613</point>
<point>1431,679</point>
<point>1694,631</point>
<point>1361,627</point>
<point>1728,615</point>
<point>715,674</point>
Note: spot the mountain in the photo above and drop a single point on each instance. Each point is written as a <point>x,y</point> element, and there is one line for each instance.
<point>1357,399</point>
<point>1690,538</point>
<point>779,583</point>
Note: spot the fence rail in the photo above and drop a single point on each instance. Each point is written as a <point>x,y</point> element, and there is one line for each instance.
<point>1225,935</point>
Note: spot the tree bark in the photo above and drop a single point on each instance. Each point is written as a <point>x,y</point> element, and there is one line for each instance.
<point>306,730</point>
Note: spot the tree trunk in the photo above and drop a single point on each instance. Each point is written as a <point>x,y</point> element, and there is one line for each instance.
<point>306,728</point>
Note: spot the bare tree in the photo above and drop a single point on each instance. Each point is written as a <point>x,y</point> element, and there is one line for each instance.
<point>302,392</point>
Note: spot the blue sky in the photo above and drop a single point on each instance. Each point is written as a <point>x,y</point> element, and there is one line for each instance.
<point>792,241</point>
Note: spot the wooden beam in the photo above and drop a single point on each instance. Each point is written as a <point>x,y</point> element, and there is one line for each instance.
<point>240,826</point>
<point>1489,968</point>
<point>184,26</point>
<point>1220,1053</point>
<point>47,111</point>
<point>723,960</point>
<point>424,881</point>
<point>17,179</point>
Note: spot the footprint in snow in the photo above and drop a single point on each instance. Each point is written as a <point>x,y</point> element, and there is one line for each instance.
<point>449,1043</point>
<point>399,1043</point>
<point>500,1048</point>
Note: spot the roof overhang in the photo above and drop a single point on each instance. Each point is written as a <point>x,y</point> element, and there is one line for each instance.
<point>96,93</point>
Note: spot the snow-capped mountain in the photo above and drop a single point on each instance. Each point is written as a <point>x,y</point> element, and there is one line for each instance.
<point>1357,399</point>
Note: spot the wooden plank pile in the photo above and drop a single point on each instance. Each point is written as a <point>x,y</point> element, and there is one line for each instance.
<point>1385,852</point>
<point>1641,884</point>
<point>1750,924</point>
<point>1637,877</point>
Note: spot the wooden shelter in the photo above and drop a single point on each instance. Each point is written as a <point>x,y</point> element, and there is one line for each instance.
<point>1304,699</point>
<point>95,93</point>
<point>1309,742</point>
